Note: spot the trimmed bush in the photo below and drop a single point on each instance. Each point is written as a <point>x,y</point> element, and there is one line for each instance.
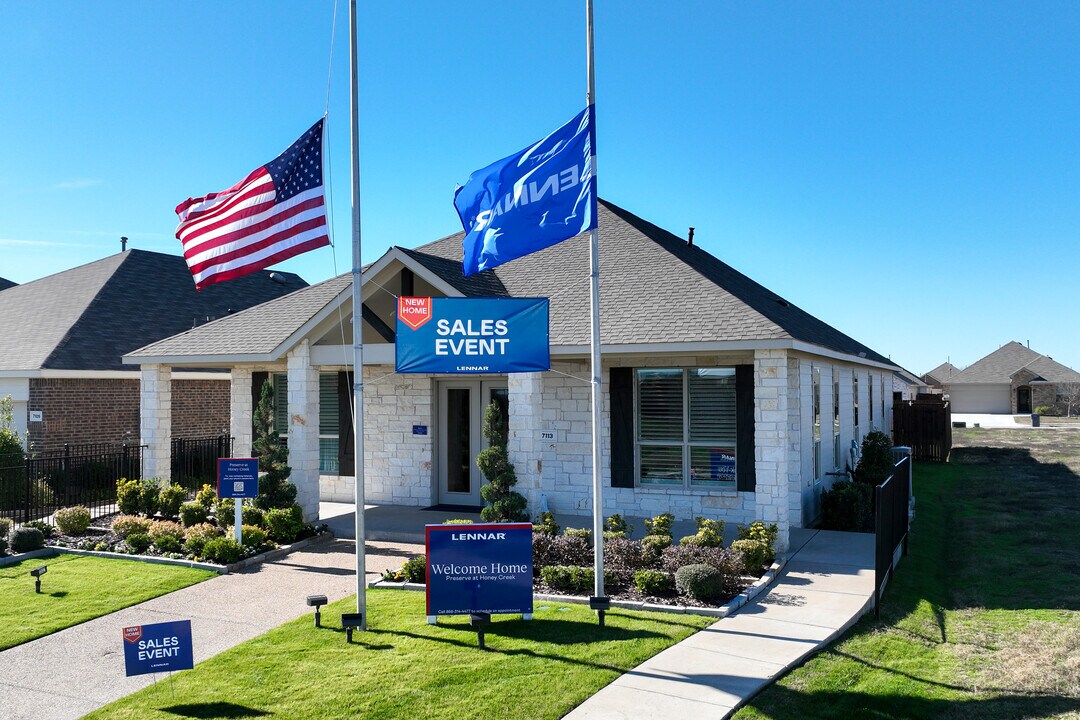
<point>206,497</point>
<point>415,569</point>
<point>126,525</point>
<point>660,525</point>
<point>876,459</point>
<point>755,554</point>
<point>5,527</point>
<point>251,515</point>
<point>253,537</point>
<point>507,505</point>
<point>623,558</point>
<point>149,496</point>
<point>284,524</point>
<point>196,536</point>
<point>654,582</point>
<point>457,521</point>
<point>26,539</point>
<point>223,550</point>
<point>170,499</point>
<point>727,562</point>
<point>225,511</point>
<point>45,528</point>
<point>1046,410</point>
<point>127,496</point>
<point>568,578</point>
<point>193,513</point>
<point>710,533</point>
<point>138,543</point>
<point>160,529</point>
<point>582,533</point>
<point>560,550</point>
<point>700,582</point>
<point>616,526</point>
<point>3,545</point>
<point>848,507</point>
<point>546,525</point>
<point>72,520</point>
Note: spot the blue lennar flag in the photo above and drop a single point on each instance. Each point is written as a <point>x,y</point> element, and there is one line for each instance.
<point>531,200</point>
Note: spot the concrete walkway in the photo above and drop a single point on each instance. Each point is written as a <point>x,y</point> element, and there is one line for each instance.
<point>826,586</point>
<point>71,672</point>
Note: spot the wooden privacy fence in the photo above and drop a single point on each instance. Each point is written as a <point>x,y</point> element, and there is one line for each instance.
<point>892,501</point>
<point>925,426</point>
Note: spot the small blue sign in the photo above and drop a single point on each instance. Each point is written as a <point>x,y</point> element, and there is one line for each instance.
<point>419,429</point>
<point>472,335</point>
<point>238,477</point>
<point>483,568</point>
<point>160,647</point>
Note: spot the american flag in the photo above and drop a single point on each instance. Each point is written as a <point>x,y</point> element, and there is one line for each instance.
<point>273,214</point>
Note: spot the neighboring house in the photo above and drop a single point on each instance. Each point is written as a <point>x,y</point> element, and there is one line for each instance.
<point>1012,379</point>
<point>906,385</point>
<point>62,336</point>
<point>719,364</point>
<point>940,375</point>
<point>5,284</point>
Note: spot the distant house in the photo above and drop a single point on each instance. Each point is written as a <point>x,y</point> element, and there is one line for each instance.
<point>720,398</point>
<point>62,337</point>
<point>1012,379</point>
<point>940,375</point>
<point>5,283</point>
<point>906,385</point>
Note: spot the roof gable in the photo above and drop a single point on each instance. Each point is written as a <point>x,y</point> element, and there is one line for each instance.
<point>1002,364</point>
<point>942,372</point>
<point>5,283</point>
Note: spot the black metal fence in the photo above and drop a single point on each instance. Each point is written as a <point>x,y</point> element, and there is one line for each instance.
<point>194,460</point>
<point>33,487</point>
<point>892,499</point>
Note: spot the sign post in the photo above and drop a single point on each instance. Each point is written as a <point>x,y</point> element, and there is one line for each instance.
<point>238,478</point>
<point>158,647</point>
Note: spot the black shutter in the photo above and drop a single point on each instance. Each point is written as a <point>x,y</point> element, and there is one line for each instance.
<point>258,379</point>
<point>622,427</point>
<point>346,442</point>
<point>745,476</point>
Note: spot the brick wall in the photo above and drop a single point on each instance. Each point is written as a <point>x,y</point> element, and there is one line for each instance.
<point>81,410</point>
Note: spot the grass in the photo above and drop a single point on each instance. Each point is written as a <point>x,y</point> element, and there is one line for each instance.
<point>983,618</point>
<point>403,667</point>
<point>77,588</point>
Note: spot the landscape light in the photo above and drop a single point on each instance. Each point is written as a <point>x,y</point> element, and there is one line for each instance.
<point>316,601</point>
<point>36,573</point>
<point>480,621</point>
<point>600,605</point>
<point>351,621</point>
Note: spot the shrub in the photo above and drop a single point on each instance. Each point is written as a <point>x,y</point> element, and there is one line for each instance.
<point>25,539</point>
<point>547,524</point>
<point>253,537</point>
<point>623,558</point>
<point>171,497</point>
<point>3,545</point>
<point>193,513</point>
<point>754,554</point>
<point>710,533</point>
<point>127,524</point>
<point>196,536</point>
<point>1046,410</point>
<point>582,533</point>
<point>506,505</point>
<point>700,582</point>
<point>5,527</point>
<point>165,528</point>
<point>138,543</point>
<point>284,524</point>
<point>149,496</point>
<point>560,550</point>
<point>876,459</point>
<point>415,569</point>
<point>127,496</point>
<point>848,507</point>
<point>223,550</point>
<point>568,578</point>
<point>251,515</point>
<point>45,528</point>
<point>660,525</point>
<point>763,533</point>
<point>654,582</point>
<point>727,562</point>
<point>617,526</point>
<point>225,511</point>
<point>206,497</point>
<point>72,520</point>
<point>275,490</point>
<point>457,521</point>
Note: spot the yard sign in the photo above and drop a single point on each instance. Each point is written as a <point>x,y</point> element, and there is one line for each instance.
<point>158,647</point>
<point>484,568</point>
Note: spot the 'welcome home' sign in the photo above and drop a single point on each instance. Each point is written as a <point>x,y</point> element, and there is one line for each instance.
<point>479,569</point>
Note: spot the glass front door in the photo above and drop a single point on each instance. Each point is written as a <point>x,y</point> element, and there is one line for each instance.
<point>460,436</point>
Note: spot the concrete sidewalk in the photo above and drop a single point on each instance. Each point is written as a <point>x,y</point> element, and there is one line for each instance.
<point>826,586</point>
<point>77,670</point>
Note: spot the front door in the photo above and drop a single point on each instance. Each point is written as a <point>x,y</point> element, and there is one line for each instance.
<point>460,436</point>
<point>1023,400</point>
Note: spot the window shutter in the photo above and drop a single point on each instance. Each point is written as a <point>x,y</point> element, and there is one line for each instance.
<point>621,384</point>
<point>745,476</point>
<point>346,442</point>
<point>281,403</point>
<point>258,379</point>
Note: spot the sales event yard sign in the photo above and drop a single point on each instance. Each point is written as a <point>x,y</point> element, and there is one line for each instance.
<point>483,568</point>
<point>472,335</point>
<point>159,647</point>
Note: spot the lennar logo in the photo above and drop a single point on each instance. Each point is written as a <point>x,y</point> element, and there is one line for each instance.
<point>478,536</point>
<point>414,311</point>
<point>132,634</point>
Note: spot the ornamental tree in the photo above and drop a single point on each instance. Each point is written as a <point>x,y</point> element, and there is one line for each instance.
<point>506,505</point>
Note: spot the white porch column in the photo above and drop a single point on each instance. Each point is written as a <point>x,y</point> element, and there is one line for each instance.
<point>155,421</point>
<point>525,448</point>
<point>240,410</point>
<point>771,437</point>
<point>304,429</point>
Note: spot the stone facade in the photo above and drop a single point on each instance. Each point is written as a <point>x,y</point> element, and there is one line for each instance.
<point>155,427</point>
<point>303,400</point>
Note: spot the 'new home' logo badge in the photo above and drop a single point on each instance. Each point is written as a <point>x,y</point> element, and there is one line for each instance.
<point>414,311</point>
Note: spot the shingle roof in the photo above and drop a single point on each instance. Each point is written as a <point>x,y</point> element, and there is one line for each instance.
<point>1000,365</point>
<point>86,318</point>
<point>942,372</point>
<point>5,283</point>
<point>654,289</point>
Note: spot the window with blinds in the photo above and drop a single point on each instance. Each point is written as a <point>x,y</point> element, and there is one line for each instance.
<point>329,431</point>
<point>685,420</point>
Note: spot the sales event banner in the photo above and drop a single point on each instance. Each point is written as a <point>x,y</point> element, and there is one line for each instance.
<point>472,335</point>
<point>159,647</point>
<point>483,568</point>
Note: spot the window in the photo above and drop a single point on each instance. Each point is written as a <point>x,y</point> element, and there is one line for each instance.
<point>817,422</point>
<point>870,389</point>
<point>685,422</point>
<point>855,397</point>
<point>836,419</point>
<point>329,431</point>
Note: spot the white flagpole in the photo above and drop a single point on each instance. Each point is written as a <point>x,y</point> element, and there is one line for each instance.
<point>594,267</point>
<point>357,320</point>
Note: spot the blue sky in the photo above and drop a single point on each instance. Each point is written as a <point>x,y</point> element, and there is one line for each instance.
<point>908,172</point>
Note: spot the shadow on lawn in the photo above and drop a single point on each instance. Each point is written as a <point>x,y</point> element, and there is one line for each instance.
<point>214,710</point>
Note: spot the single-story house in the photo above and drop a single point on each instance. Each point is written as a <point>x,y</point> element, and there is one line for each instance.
<point>62,336</point>
<point>1014,379</point>
<point>940,375</point>
<point>906,385</point>
<point>700,365</point>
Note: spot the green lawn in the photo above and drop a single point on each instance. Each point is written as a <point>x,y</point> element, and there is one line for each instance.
<point>77,588</point>
<point>983,618</point>
<point>405,668</point>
